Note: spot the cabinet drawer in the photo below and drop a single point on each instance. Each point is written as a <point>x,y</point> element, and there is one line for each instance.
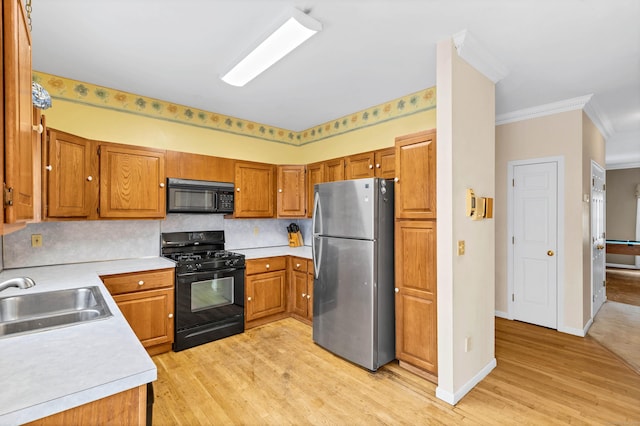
<point>266,264</point>
<point>138,281</point>
<point>298,264</point>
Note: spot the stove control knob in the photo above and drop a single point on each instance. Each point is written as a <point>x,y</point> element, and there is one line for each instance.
<point>198,266</point>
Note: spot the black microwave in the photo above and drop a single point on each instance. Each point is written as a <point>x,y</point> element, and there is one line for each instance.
<point>199,196</point>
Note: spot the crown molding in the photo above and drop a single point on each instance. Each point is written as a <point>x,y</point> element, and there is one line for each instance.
<point>600,120</point>
<point>478,56</point>
<point>543,110</point>
<point>620,166</point>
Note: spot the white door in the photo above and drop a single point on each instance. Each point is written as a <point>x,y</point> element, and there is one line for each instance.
<point>598,256</point>
<point>535,235</point>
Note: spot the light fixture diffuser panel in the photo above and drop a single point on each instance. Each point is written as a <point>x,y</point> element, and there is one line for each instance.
<point>298,28</point>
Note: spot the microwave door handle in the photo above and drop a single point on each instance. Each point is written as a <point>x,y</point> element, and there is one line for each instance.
<point>216,201</point>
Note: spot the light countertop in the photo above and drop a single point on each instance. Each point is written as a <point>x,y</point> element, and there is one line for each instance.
<point>46,372</point>
<point>257,253</point>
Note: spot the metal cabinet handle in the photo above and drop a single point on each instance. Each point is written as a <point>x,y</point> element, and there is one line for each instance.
<point>396,180</point>
<point>308,296</point>
<point>304,295</point>
<point>237,189</point>
<point>550,253</point>
<point>396,289</point>
<point>280,190</point>
<point>267,266</point>
<point>49,167</point>
<point>38,128</point>
<point>161,185</point>
<point>297,265</point>
<point>371,166</point>
<point>249,299</point>
<point>377,165</point>
<point>170,315</point>
<point>140,282</point>
<point>89,178</point>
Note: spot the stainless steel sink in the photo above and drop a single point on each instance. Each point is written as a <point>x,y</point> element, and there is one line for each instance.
<point>28,313</point>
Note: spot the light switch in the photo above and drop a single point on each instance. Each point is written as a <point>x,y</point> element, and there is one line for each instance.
<point>460,247</point>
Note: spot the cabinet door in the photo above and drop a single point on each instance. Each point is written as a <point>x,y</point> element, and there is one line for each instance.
<point>71,182</point>
<point>334,170</point>
<point>385,163</point>
<point>300,302</point>
<point>315,174</point>
<point>416,172</point>
<point>416,315</point>
<point>255,183</point>
<point>184,165</point>
<point>291,191</point>
<point>360,166</point>
<point>310,295</point>
<point>132,181</point>
<point>150,315</point>
<point>265,294</point>
<point>19,143</point>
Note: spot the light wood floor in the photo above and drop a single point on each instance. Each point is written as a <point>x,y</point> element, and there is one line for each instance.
<point>623,286</point>
<point>276,375</point>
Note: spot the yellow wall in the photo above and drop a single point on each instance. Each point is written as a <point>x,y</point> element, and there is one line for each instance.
<point>122,127</point>
<point>555,135</point>
<point>465,158</point>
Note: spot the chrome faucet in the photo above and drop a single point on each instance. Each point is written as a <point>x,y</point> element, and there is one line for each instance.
<point>20,282</point>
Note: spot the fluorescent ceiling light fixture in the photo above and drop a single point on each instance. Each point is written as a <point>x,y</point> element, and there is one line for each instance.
<point>292,33</point>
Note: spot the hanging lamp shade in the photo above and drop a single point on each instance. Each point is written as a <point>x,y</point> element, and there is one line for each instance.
<point>40,96</point>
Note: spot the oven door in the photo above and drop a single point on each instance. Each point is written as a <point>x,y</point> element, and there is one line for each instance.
<point>206,297</point>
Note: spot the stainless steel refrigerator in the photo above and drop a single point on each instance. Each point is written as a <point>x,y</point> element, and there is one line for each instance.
<point>353,293</point>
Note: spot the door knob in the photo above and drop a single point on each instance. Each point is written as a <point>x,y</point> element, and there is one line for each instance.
<point>550,253</point>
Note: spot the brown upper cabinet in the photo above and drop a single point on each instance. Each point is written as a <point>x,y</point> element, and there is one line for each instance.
<point>334,169</point>
<point>291,191</point>
<point>416,176</point>
<point>315,174</point>
<point>385,163</point>
<point>19,141</point>
<point>380,163</point>
<point>185,165</point>
<point>255,190</point>
<point>359,166</point>
<point>70,176</point>
<point>132,182</point>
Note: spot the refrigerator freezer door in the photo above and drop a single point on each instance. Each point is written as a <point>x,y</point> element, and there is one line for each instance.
<point>346,208</point>
<point>344,305</point>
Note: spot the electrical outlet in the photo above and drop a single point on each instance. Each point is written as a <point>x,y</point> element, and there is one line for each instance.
<point>460,247</point>
<point>467,343</point>
<point>36,240</point>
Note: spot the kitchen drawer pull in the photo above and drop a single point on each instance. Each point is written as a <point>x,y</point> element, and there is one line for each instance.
<point>170,315</point>
<point>304,295</point>
<point>89,178</point>
<point>396,290</point>
<point>280,190</point>
<point>238,189</point>
<point>308,296</point>
<point>249,299</point>
<point>140,282</point>
<point>267,266</point>
<point>396,180</point>
<point>297,265</point>
<point>49,167</point>
<point>371,166</point>
<point>161,185</point>
<point>377,165</point>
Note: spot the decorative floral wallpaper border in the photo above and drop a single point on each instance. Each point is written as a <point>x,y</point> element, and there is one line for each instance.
<point>102,97</point>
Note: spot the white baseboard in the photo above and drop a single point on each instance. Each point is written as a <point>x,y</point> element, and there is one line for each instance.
<point>454,398</point>
<point>505,315</point>
<point>587,327</point>
<point>621,266</point>
<point>575,331</point>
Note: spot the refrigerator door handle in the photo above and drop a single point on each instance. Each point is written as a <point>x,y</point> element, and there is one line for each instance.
<point>317,216</point>
<point>317,255</point>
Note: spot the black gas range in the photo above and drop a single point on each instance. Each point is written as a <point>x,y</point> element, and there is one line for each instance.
<point>209,287</point>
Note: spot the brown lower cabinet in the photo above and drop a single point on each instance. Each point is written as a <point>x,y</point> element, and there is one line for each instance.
<point>416,315</point>
<point>265,290</point>
<point>125,408</point>
<point>301,289</point>
<point>146,301</point>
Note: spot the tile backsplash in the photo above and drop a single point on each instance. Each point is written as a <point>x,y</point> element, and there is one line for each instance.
<point>89,241</point>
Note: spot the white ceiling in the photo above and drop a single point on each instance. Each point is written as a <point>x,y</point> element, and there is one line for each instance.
<point>369,52</point>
